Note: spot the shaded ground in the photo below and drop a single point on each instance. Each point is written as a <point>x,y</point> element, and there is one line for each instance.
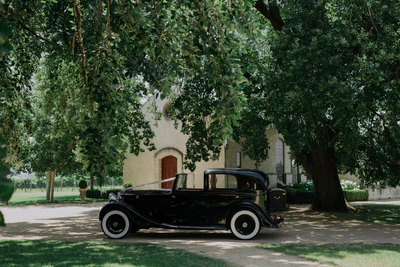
<point>79,222</point>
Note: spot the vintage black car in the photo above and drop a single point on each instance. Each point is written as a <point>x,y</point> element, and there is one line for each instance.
<point>230,199</point>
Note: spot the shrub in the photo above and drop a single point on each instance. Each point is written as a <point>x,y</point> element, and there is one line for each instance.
<point>349,185</point>
<point>299,197</point>
<point>303,193</point>
<point>306,186</point>
<point>93,193</point>
<point>128,184</point>
<point>356,195</point>
<point>82,184</point>
<point>99,194</point>
<point>300,193</point>
<point>105,194</point>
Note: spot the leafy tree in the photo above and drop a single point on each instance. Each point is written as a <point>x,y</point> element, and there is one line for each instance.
<point>325,75</point>
<point>6,187</point>
<point>86,110</point>
<point>333,87</point>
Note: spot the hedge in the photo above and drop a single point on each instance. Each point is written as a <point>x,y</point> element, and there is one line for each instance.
<point>356,195</point>
<point>299,197</point>
<point>306,197</point>
<point>96,193</point>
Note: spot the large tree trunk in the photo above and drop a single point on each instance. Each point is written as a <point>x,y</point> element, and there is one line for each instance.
<point>321,166</point>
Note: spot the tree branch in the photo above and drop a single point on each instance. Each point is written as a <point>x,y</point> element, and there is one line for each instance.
<point>28,29</point>
<point>77,13</point>
<point>270,12</point>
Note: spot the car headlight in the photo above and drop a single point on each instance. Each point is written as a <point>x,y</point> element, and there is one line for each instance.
<point>112,197</point>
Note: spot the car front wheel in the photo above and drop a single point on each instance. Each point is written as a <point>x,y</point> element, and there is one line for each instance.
<point>116,224</point>
<point>245,224</point>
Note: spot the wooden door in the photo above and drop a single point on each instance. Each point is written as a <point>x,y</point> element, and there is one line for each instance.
<point>169,169</point>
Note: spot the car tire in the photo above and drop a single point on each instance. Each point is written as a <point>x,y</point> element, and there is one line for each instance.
<point>245,224</point>
<point>116,224</point>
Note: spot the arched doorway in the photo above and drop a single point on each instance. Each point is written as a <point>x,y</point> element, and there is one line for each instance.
<point>169,169</point>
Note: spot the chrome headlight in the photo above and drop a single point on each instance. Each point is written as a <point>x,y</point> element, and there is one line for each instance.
<point>112,197</point>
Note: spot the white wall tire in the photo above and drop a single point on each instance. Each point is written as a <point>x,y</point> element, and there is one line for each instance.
<point>245,224</point>
<point>116,224</point>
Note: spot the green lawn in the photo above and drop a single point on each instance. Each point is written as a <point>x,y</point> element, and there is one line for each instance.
<point>379,213</point>
<point>21,197</point>
<point>344,255</point>
<point>66,254</point>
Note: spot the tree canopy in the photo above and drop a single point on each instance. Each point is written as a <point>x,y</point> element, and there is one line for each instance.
<point>324,73</point>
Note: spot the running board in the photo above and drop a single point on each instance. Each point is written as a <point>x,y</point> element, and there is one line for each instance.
<point>214,227</point>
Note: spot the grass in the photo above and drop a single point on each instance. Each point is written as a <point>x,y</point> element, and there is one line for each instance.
<point>343,255</point>
<point>37,197</point>
<point>32,253</point>
<point>378,213</point>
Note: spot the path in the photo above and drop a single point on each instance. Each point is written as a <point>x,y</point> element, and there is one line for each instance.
<point>76,222</point>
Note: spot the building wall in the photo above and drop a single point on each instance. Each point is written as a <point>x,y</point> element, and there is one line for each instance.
<point>268,166</point>
<point>147,167</point>
<point>169,141</point>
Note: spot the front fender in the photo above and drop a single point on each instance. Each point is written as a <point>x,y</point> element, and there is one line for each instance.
<point>134,215</point>
<point>114,206</point>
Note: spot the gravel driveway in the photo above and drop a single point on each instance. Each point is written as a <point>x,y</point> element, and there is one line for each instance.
<point>77,222</point>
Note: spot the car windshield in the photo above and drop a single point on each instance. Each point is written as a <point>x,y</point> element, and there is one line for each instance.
<point>181,181</point>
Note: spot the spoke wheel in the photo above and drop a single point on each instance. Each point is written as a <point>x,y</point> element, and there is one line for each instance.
<point>116,224</point>
<point>245,224</point>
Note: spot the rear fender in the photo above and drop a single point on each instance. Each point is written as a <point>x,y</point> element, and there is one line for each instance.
<point>264,217</point>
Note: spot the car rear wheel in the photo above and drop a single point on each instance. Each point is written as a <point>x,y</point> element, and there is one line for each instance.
<point>245,224</point>
<point>116,224</point>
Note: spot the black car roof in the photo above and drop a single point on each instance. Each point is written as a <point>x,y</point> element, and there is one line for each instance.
<point>257,175</point>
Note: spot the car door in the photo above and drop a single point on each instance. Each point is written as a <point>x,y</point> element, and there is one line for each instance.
<point>225,192</point>
<point>187,207</point>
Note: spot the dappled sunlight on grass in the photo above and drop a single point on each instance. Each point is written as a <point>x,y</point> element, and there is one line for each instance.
<point>343,255</point>
<point>20,198</point>
<point>65,254</point>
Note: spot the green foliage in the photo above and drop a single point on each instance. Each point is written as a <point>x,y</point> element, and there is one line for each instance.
<point>5,31</point>
<point>303,193</point>
<point>128,184</point>
<point>332,78</point>
<point>356,195</point>
<point>349,185</point>
<point>299,197</point>
<point>84,111</point>
<point>6,186</point>
<point>82,184</point>
<point>324,74</point>
<point>35,253</point>
<point>343,255</point>
<point>101,194</point>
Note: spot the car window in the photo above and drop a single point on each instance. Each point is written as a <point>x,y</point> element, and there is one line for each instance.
<point>246,183</point>
<point>187,181</point>
<point>222,181</point>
